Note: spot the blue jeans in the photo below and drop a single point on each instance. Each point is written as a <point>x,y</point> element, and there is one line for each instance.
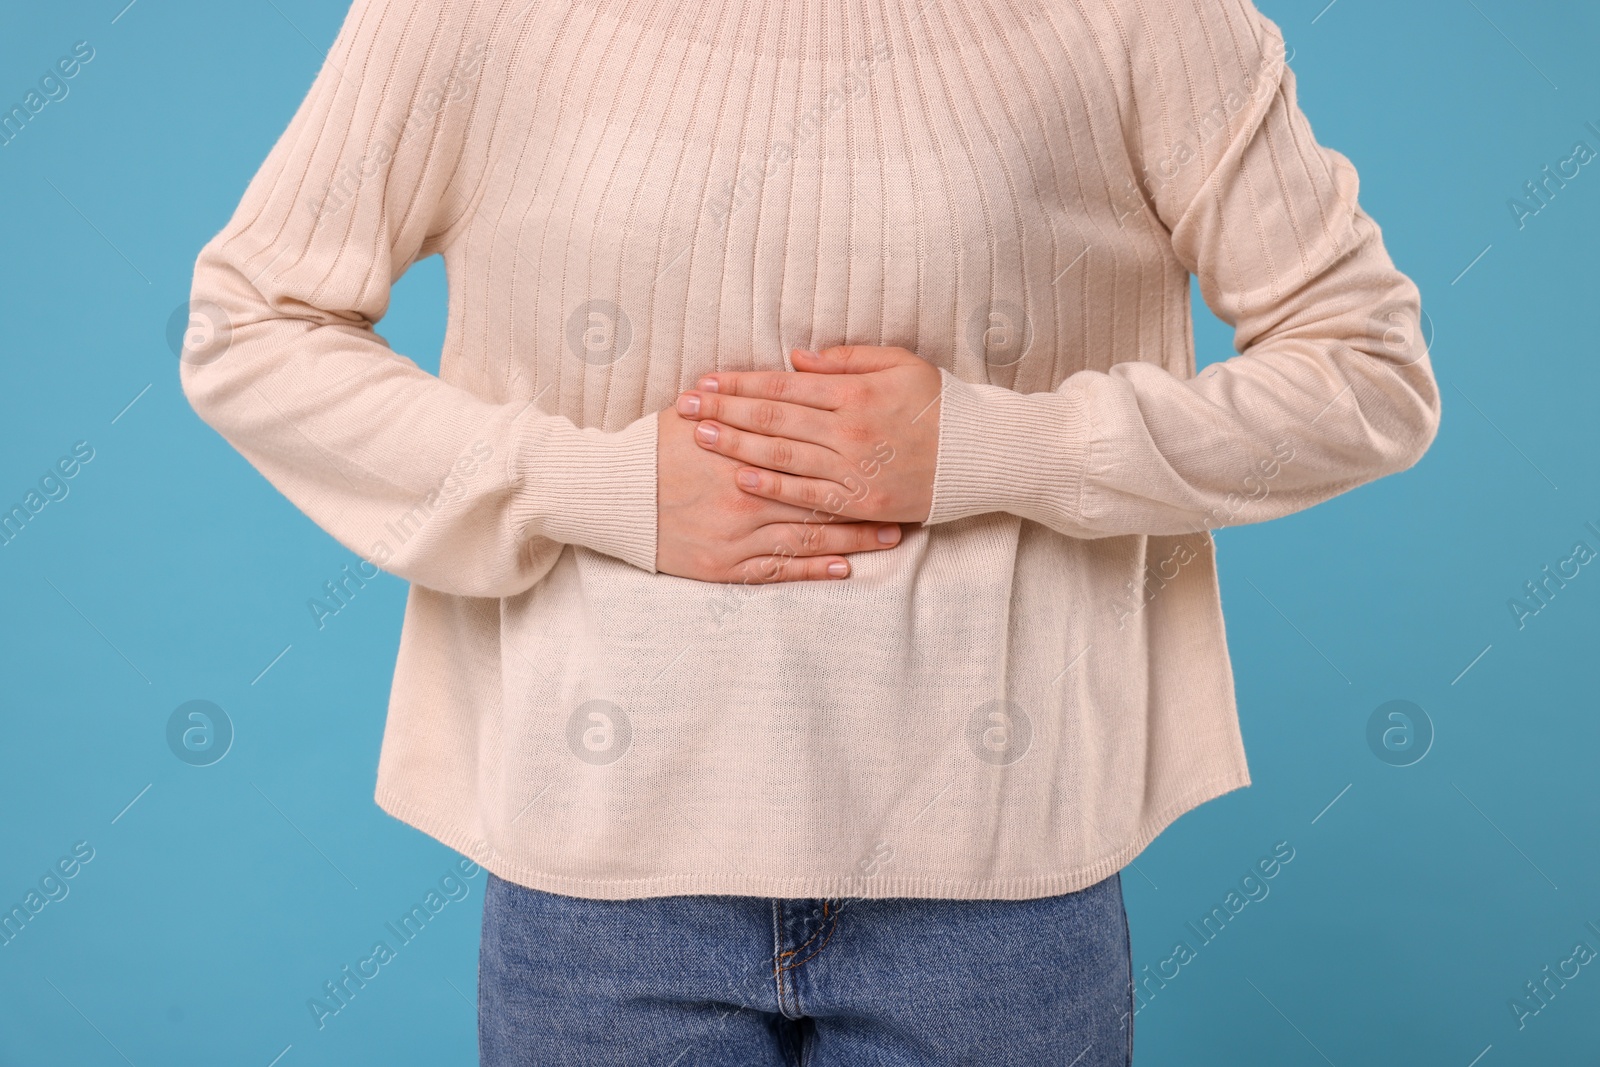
<point>738,981</point>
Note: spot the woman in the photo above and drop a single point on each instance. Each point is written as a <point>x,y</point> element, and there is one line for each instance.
<point>813,605</point>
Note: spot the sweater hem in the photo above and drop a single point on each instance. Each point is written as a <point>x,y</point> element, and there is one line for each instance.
<point>444,830</point>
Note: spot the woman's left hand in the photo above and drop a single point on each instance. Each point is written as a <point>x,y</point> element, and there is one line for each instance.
<point>852,432</point>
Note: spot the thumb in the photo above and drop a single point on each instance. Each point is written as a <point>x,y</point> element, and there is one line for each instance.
<point>850,359</point>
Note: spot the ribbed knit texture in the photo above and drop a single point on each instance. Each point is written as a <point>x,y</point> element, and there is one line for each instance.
<point>628,194</point>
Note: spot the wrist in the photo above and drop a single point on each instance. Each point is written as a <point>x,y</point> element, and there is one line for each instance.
<point>1000,450</point>
<point>584,486</point>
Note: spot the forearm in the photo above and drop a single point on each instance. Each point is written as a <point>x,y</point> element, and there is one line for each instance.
<point>1293,421</point>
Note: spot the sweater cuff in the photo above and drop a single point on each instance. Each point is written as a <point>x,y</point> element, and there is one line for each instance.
<point>587,487</point>
<point>1000,450</point>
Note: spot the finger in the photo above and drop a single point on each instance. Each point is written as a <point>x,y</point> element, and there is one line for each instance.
<point>851,359</point>
<point>774,453</point>
<point>765,570</point>
<point>775,418</point>
<point>822,538</point>
<point>822,496</point>
<point>813,390</point>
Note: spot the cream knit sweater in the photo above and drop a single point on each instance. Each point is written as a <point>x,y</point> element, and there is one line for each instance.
<point>627,194</point>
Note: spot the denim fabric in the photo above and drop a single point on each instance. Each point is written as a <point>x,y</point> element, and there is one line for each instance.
<point>739,981</point>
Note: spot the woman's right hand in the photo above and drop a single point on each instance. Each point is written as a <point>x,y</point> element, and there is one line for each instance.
<point>709,530</point>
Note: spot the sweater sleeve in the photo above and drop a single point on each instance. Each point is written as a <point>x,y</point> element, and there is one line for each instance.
<point>1332,385</point>
<point>430,481</point>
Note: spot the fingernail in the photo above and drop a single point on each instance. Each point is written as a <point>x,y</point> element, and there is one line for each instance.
<point>707,432</point>
<point>838,568</point>
<point>888,535</point>
<point>707,385</point>
<point>749,478</point>
<point>689,404</point>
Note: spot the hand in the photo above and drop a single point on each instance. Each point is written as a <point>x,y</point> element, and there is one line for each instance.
<point>852,432</point>
<point>708,530</point>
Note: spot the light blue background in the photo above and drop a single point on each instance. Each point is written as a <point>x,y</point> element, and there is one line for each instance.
<point>1416,906</point>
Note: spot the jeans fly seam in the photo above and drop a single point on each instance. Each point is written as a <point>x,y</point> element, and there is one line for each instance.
<point>801,947</point>
<point>778,954</point>
<point>832,926</point>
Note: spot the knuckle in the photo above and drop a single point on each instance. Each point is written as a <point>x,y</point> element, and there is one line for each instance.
<point>855,433</point>
<point>778,542</point>
<point>741,504</point>
<point>848,535</point>
<point>767,416</point>
<point>838,541</point>
<point>757,570</point>
<point>783,453</point>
